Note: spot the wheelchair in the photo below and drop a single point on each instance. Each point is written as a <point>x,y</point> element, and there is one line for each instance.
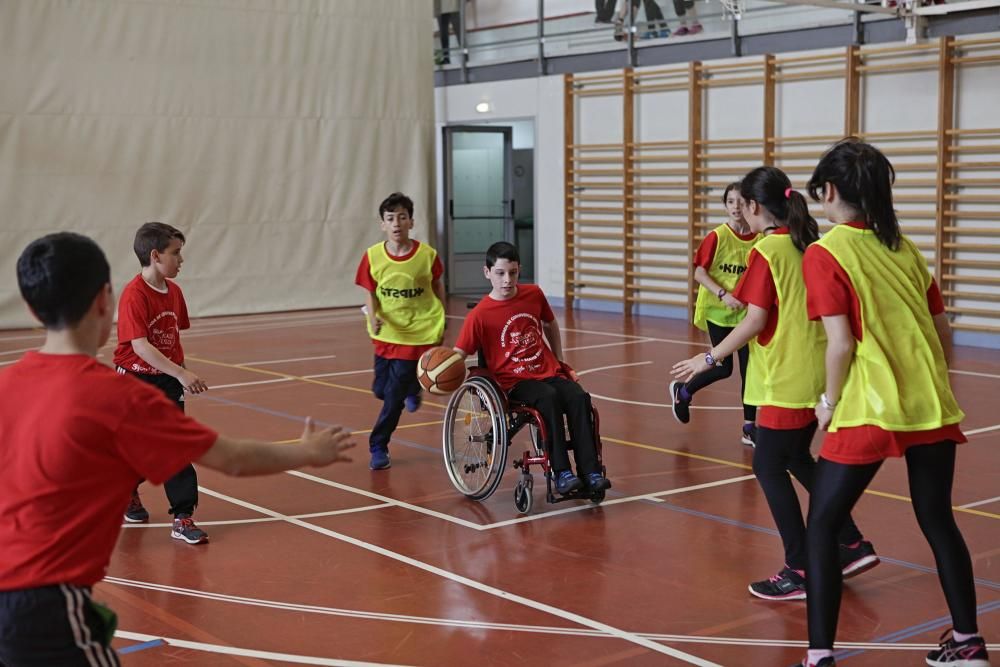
<point>480,423</point>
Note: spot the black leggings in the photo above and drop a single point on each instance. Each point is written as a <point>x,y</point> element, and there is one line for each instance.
<point>787,451</point>
<point>717,333</point>
<point>931,471</point>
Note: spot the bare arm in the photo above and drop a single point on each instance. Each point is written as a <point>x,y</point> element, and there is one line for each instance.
<point>752,324</point>
<point>371,306</point>
<point>701,275</point>
<point>706,281</point>
<point>840,345</point>
<point>438,287</point>
<point>552,334</point>
<point>148,353</point>
<point>244,458</point>
<point>943,327</point>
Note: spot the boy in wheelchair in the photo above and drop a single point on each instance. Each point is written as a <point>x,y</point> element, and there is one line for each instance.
<point>507,327</point>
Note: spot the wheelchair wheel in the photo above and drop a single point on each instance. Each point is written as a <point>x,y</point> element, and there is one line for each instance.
<point>523,497</point>
<point>598,497</point>
<point>475,438</point>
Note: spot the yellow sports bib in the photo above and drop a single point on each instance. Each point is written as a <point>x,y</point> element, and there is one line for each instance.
<point>898,379</point>
<point>789,371</point>
<point>728,264</point>
<point>410,311</point>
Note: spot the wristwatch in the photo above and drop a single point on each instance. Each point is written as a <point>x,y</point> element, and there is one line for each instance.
<point>709,359</point>
<point>721,293</point>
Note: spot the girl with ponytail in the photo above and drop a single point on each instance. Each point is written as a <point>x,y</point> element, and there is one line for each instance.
<point>785,373</point>
<point>886,390</point>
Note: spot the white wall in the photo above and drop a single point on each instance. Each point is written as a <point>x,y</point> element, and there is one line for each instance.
<point>540,101</point>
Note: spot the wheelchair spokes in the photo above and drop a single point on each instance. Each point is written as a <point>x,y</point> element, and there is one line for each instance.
<point>475,450</point>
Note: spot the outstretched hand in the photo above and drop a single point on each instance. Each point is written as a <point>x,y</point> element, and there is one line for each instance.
<point>687,369</point>
<point>327,445</point>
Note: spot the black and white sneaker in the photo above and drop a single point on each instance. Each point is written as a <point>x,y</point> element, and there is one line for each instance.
<point>681,408</point>
<point>786,585</point>
<point>857,559</point>
<point>136,513</point>
<point>951,653</point>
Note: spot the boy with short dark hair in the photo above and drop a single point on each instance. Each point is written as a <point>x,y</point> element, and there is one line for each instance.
<point>404,308</point>
<point>151,315</point>
<point>507,325</point>
<point>76,437</point>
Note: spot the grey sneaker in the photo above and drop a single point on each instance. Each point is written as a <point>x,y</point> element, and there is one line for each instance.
<point>184,529</point>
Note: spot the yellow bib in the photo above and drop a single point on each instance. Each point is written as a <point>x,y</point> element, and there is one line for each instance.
<point>898,379</point>
<point>411,312</point>
<point>789,371</point>
<point>728,264</point>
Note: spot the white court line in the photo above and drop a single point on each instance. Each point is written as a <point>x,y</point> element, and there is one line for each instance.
<point>247,384</point>
<point>616,344</point>
<point>327,375</point>
<point>282,379</point>
<point>652,405</point>
<point>229,522</point>
<point>281,361</point>
<point>355,613</point>
<point>476,585</point>
<point>604,368</point>
<point>490,526</point>
<point>252,653</point>
<point>974,373</point>
<point>978,503</point>
<point>7,363</point>
<point>986,429</point>
<point>385,499</point>
<point>617,501</point>
<point>487,625</point>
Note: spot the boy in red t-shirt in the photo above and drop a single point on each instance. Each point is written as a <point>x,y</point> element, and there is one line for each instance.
<point>76,437</point>
<point>510,326</point>
<point>151,314</point>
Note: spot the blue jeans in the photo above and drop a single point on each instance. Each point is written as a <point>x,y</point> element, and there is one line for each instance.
<point>395,379</point>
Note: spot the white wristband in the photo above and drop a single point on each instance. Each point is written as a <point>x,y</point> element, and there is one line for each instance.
<point>827,403</point>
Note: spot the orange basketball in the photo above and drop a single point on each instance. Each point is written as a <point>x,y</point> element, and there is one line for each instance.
<point>441,370</point>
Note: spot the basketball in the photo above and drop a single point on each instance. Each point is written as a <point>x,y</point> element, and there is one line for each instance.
<point>441,370</point>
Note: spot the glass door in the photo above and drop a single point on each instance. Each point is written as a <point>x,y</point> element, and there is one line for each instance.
<point>479,205</point>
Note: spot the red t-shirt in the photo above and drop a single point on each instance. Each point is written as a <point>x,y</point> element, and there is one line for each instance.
<point>363,277</point>
<point>829,292</point>
<point>706,249</point>
<point>159,317</point>
<point>510,335</point>
<point>756,286</point>
<point>75,438</point>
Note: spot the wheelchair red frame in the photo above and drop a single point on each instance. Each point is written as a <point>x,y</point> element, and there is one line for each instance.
<point>477,436</point>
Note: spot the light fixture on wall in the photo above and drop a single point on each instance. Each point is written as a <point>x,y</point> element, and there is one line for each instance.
<point>483,107</point>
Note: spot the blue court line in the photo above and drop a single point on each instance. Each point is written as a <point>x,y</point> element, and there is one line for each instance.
<point>153,643</point>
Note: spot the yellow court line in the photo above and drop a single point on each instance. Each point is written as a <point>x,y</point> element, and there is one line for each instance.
<point>733,464</point>
<point>261,371</point>
<point>367,430</point>
<point>675,452</point>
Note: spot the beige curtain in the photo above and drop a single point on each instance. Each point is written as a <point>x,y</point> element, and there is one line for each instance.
<point>268,131</point>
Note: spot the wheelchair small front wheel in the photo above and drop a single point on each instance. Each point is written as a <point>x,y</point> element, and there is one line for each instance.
<point>523,496</point>
<point>597,497</point>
